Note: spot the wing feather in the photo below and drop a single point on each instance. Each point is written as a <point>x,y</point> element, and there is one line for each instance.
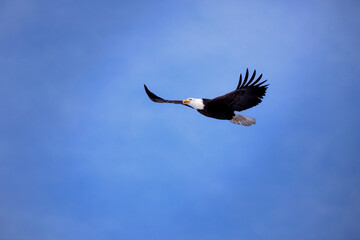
<point>246,95</point>
<point>158,99</point>
<point>246,78</point>
<point>240,81</point>
<point>252,77</point>
<point>258,85</point>
<point>257,80</point>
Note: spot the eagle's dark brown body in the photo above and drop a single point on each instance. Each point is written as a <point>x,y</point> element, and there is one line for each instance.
<point>217,109</point>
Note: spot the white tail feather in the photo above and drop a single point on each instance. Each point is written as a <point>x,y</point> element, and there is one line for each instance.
<point>242,120</point>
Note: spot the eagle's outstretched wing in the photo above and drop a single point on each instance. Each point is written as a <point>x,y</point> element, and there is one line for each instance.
<point>247,94</point>
<point>157,99</point>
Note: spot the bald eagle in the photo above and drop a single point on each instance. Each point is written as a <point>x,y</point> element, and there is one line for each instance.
<point>247,94</point>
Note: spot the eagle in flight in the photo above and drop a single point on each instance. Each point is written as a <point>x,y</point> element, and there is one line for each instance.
<point>247,94</point>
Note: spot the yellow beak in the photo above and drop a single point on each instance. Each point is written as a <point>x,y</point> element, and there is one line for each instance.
<point>186,101</point>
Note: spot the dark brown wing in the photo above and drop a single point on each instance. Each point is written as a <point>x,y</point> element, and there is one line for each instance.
<point>248,93</point>
<point>157,99</point>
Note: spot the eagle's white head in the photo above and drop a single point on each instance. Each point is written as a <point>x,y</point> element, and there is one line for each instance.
<point>196,103</point>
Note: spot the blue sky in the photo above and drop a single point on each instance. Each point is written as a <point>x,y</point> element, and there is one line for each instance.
<point>84,154</point>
